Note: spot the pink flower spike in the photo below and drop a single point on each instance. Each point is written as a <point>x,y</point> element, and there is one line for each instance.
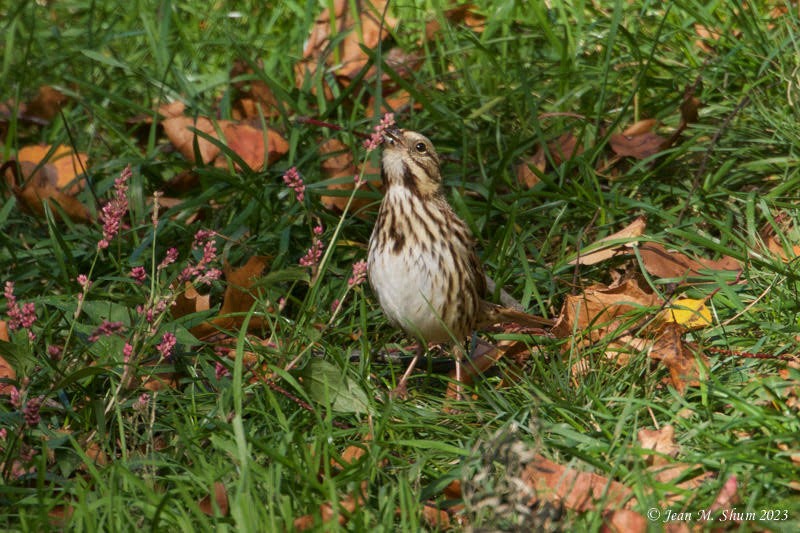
<point>359,274</point>
<point>141,402</point>
<point>294,181</point>
<point>138,274</point>
<point>171,257</point>
<point>376,138</point>
<point>166,345</point>
<point>19,317</point>
<point>113,212</point>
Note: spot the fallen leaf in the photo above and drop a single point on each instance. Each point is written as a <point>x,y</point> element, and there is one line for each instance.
<point>256,147</point>
<point>189,301</point>
<point>362,25</point>
<point>661,442</point>
<point>624,521</point>
<point>220,498</point>
<point>564,148</point>
<point>34,184</point>
<point>575,490</point>
<point>600,309</point>
<point>688,312</point>
<point>663,263</point>
<point>237,298</point>
<point>525,173</point>
<point>337,162</point>
<point>255,98</point>
<point>610,246</point>
<point>62,167</point>
<point>179,131</point>
<point>728,495</point>
<point>47,103</point>
<point>7,373</point>
<point>638,141</point>
<point>684,367</point>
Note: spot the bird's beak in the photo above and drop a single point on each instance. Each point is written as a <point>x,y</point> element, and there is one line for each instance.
<point>392,135</point>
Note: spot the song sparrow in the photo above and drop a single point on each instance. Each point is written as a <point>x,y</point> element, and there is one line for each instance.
<point>422,262</point>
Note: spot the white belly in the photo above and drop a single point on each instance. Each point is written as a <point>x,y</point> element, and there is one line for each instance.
<point>411,292</point>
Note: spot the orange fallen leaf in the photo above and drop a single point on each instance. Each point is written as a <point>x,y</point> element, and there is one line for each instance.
<point>179,132</point>
<point>601,309</point>
<point>624,521</point>
<point>611,245</point>
<point>361,22</point>
<point>685,368</point>
<point>575,490</point>
<point>663,263</point>
<point>338,162</point>
<point>7,372</point>
<point>34,182</point>
<point>638,141</point>
<point>220,498</point>
<point>47,103</point>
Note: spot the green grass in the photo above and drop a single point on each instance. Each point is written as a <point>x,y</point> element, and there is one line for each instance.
<point>711,194</point>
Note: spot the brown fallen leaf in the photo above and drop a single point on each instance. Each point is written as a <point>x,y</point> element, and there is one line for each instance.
<point>179,132</point>
<point>189,301</point>
<point>339,163</point>
<point>685,369</point>
<point>663,263</point>
<point>575,490</point>
<point>255,146</point>
<point>638,141</point>
<point>7,373</point>
<point>47,103</point>
<point>237,298</point>
<point>728,496</point>
<point>601,309</point>
<point>361,22</point>
<point>33,184</point>
<point>254,97</point>
<point>525,173</point>
<point>611,245</point>
<point>624,521</point>
<point>220,498</point>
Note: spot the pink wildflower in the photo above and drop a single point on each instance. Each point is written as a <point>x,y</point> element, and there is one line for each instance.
<point>19,317</point>
<point>171,257</point>
<point>127,352</point>
<point>359,274</point>
<point>3,433</point>
<point>105,329</point>
<point>141,402</point>
<point>313,255</point>
<point>14,397</point>
<point>221,370</point>
<point>113,212</point>
<point>166,345</point>
<point>83,281</point>
<point>54,351</point>
<point>31,410</point>
<point>201,271</point>
<point>294,181</point>
<point>376,138</point>
<point>138,274</point>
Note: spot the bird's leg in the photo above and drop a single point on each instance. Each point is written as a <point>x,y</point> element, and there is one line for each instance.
<point>459,353</point>
<point>400,391</point>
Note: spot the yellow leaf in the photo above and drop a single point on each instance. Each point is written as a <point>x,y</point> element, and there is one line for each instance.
<point>688,312</point>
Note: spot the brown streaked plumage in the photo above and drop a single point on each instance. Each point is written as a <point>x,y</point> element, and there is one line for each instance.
<point>422,262</point>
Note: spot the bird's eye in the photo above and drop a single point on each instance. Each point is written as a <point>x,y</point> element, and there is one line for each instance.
<point>421,148</point>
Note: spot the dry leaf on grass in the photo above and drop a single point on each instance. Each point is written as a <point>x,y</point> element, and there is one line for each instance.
<point>638,141</point>
<point>363,28</point>
<point>609,246</point>
<point>663,263</point>
<point>601,309</point>
<point>7,373</point>
<point>624,521</point>
<point>55,180</point>
<point>685,369</point>
<point>254,146</point>
<point>575,490</point>
<point>255,98</point>
<point>237,298</point>
<point>47,103</point>
<point>220,498</point>
<point>338,162</point>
